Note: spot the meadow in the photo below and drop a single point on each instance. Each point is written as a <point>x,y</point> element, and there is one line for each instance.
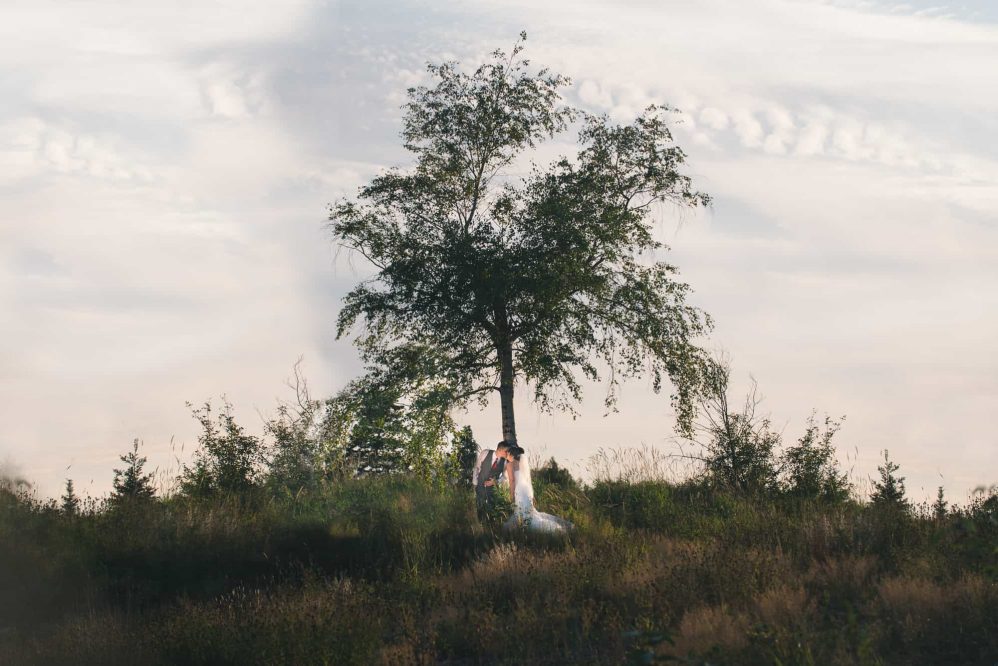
<point>397,570</point>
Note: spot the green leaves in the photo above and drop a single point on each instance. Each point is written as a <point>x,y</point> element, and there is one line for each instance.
<point>227,459</point>
<point>394,419</point>
<point>889,490</point>
<point>810,466</point>
<point>476,266</point>
<point>474,123</point>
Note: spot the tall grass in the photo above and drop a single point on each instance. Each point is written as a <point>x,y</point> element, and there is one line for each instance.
<point>396,571</point>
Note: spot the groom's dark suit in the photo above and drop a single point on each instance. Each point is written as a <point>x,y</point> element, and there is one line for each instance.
<point>490,467</point>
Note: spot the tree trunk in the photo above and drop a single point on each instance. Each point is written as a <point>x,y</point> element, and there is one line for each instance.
<point>506,379</point>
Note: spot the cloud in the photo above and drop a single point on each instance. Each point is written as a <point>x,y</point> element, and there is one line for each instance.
<point>812,139</point>
<point>165,172</point>
<point>592,94</point>
<point>748,129</point>
<point>714,118</point>
<point>781,130</point>
<point>36,148</point>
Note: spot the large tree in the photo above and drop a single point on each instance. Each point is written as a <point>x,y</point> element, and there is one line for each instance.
<point>485,280</point>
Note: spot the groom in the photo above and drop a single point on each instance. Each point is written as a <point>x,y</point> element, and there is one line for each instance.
<point>489,469</point>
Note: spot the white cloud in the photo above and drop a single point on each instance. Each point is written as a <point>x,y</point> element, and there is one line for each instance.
<point>714,118</point>
<point>30,147</point>
<point>811,140</point>
<point>781,134</point>
<point>594,95</point>
<point>165,170</point>
<point>748,129</point>
<point>233,92</point>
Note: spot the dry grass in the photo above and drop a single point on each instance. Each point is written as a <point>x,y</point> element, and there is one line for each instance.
<point>916,604</point>
<point>634,465</point>
<point>711,629</point>
<point>784,606</point>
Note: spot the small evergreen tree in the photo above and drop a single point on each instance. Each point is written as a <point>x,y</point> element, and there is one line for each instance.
<point>940,506</point>
<point>70,502</point>
<point>377,440</point>
<point>130,483</point>
<point>387,423</point>
<point>809,467</point>
<point>465,455</point>
<point>889,491</point>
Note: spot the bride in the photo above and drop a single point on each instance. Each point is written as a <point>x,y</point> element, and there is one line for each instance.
<point>522,489</point>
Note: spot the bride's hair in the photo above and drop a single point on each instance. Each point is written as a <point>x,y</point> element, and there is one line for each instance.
<point>516,452</point>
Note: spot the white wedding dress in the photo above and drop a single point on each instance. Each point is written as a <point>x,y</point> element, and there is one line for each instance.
<point>524,513</point>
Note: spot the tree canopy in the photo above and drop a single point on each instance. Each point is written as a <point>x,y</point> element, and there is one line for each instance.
<point>485,279</point>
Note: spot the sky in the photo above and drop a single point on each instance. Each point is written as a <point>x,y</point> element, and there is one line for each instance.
<point>165,173</point>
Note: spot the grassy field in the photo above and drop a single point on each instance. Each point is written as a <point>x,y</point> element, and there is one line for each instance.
<point>391,571</point>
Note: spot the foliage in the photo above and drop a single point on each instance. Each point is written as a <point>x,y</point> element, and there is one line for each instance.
<point>551,474</point>
<point>371,427</point>
<point>889,490</point>
<point>130,484</point>
<point>304,450</point>
<point>809,468</point>
<point>939,507</point>
<point>385,427</point>
<point>482,280</point>
<point>978,529</point>
<point>227,459</point>
<point>69,501</point>
<point>295,461</point>
<point>739,448</point>
<point>392,569</point>
<point>463,456</point>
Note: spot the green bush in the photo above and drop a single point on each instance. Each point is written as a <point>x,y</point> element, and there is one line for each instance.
<point>227,460</point>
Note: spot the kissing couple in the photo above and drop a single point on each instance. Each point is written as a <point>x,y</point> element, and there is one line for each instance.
<point>508,462</point>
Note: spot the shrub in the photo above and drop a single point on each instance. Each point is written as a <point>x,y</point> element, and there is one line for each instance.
<point>294,463</point>
<point>227,460</point>
<point>738,447</point>
<point>550,474</point>
<point>809,468</point>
